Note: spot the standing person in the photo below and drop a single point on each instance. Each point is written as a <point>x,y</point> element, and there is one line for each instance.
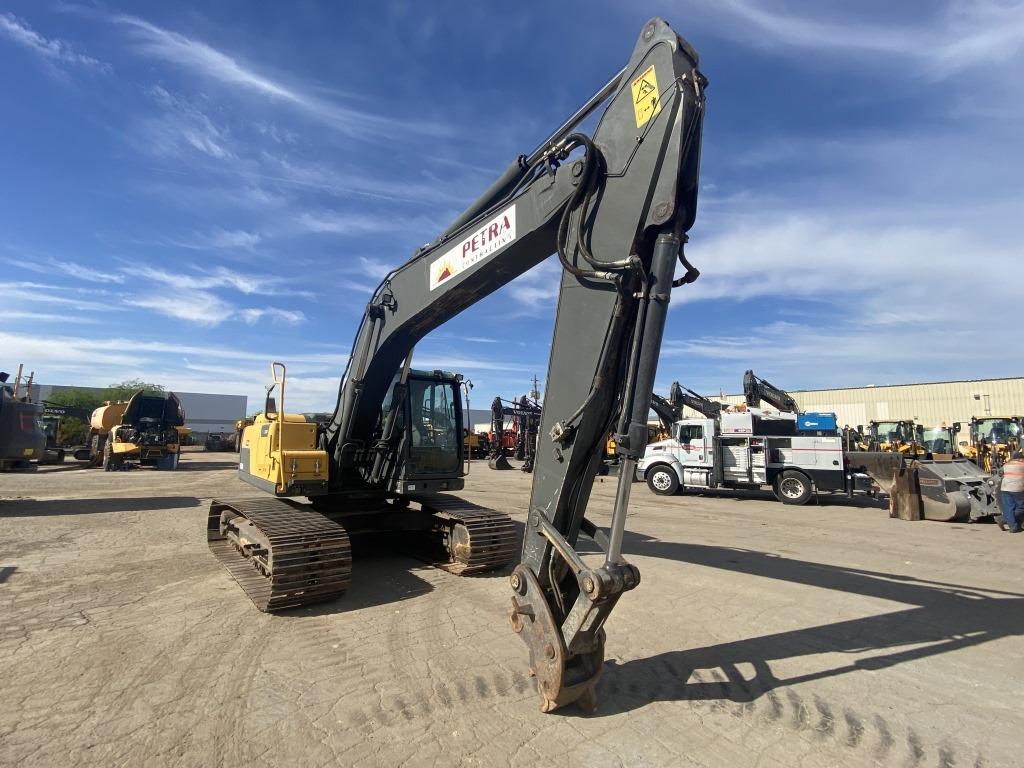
<point>1011,492</point>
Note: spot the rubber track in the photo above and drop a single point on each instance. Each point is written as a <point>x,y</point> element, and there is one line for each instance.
<point>492,534</point>
<point>312,557</point>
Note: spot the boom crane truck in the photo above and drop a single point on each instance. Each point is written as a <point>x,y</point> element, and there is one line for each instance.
<point>615,207</point>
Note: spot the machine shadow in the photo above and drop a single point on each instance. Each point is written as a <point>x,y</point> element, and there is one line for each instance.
<point>820,500</point>
<point>48,507</point>
<point>381,575</point>
<point>945,617</point>
<point>385,570</point>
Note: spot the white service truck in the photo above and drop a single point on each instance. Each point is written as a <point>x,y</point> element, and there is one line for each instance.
<point>751,449</point>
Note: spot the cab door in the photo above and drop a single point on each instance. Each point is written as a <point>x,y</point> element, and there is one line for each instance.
<point>694,444</point>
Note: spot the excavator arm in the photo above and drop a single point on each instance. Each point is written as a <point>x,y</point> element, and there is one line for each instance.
<point>681,396</point>
<point>756,389</point>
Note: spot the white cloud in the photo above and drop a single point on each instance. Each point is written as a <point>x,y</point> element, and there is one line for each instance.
<point>959,36</point>
<point>234,239</point>
<point>208,62</point>
<point>86,273</point>
<point>851,259</point>
<point>863,300</point>
<point>537,290</point>
<point>180,129</point>
<point>53,50</point>
<point>27,295</point>
<point>253,316</point>
<point>312,376</point>
<point>419,187</point>
<point>206,309</point>
<point>197,307</point>
<point>336,223</point>
<point>45,317</point>
<point>219,277</point>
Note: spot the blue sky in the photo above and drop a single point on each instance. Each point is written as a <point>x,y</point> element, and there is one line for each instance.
<point>191,189</point>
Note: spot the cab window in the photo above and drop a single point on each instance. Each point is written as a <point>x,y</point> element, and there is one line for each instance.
<point>435,434</point>
<point>690,432</point>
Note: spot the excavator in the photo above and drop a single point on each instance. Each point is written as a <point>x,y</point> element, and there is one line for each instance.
<point>615,207</point>
<point>525,415</point>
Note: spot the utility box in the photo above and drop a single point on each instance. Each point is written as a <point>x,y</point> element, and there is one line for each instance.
<point>822,423</point>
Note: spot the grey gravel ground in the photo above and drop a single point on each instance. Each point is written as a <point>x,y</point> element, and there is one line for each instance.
<point>761,635</point>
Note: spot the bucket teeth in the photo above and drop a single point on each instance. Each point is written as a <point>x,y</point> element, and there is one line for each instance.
<point>308,560</point>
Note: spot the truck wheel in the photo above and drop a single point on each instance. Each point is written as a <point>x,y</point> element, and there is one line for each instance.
<point>793,487</point>
<point>108,458</point>
<point>661,479</point>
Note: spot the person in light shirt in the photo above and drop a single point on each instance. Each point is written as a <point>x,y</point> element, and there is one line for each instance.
<point>1011,493</point>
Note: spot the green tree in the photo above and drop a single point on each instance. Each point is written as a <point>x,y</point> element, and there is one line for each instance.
<point>79,398</point>
<point>74,431</point>
<point>129,387</point>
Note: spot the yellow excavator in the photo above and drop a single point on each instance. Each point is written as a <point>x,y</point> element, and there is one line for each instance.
<point>992,440</point>
<point>615,207</point>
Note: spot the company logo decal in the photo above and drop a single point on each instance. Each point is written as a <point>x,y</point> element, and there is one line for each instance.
<point>488,239</point>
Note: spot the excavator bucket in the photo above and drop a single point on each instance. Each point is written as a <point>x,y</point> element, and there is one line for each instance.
<point>498,462</point>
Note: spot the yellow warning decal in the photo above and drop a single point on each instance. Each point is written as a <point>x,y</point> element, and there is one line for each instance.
<point>646,101</point>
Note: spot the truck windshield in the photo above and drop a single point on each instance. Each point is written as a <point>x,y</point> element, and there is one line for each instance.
<point>435,434</point>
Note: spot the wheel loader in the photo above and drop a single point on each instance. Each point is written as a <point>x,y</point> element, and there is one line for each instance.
<point>992,440</point>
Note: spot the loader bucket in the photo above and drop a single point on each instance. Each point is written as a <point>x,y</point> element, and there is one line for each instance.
<point>880,466</point>
<point>948,491</point>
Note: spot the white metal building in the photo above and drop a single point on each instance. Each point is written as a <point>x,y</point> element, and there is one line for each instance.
<point>929,404</point>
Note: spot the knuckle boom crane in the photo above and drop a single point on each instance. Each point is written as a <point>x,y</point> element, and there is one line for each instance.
<point>615,207</point>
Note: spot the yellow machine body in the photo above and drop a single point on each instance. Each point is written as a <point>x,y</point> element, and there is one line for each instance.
<point>106,417</point>
<point>278,452</point>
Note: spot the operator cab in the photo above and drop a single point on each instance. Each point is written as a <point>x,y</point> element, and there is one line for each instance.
<point>430,426</point>
<point>996,431</point>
